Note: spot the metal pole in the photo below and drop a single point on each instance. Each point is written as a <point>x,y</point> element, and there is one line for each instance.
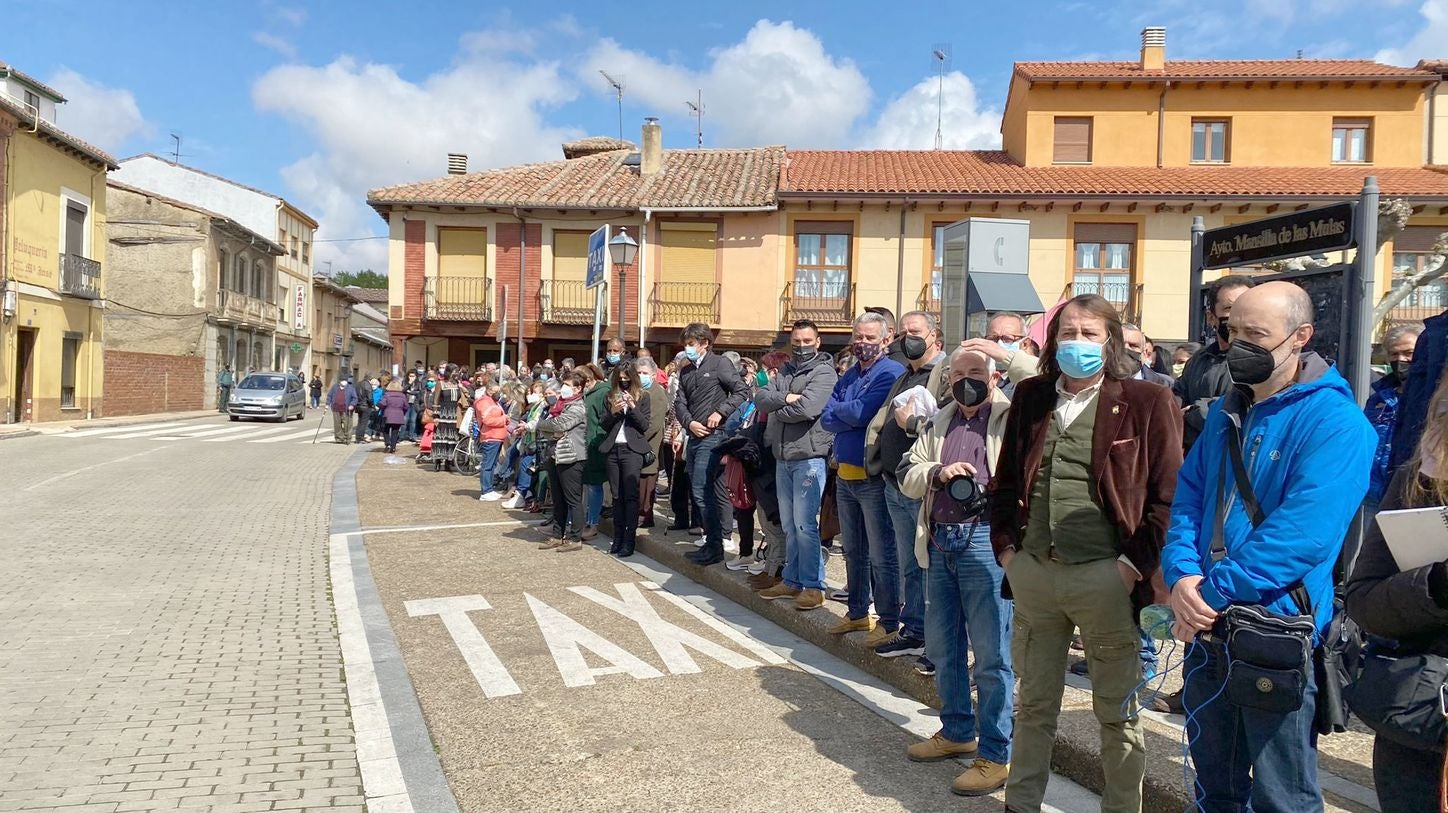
<point>622,304</point>
<point>598,300</point>
<point>1358,353</point>
<point>1195,314</point>
<point>503,331</point>
<point>522,285</point>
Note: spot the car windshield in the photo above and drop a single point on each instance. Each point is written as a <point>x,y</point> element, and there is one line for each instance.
<point>263,382</point>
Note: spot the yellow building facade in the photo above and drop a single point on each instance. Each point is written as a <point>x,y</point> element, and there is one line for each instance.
<point>52,209</point>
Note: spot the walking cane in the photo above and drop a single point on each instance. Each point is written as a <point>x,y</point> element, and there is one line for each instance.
<point>318,433</point>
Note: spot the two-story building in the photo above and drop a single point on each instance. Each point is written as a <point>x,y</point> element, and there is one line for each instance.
<point>188,296</point>
<point>52,252</point>
<point>332,344</point>
<point>1108,161</point>
<point>288,345</point>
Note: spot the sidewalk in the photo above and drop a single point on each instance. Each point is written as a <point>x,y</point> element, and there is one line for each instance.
<point>20,430</point>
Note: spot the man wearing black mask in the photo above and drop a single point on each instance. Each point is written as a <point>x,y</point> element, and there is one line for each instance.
<point>1205,378</point>
<point>1382,405</point>
<point>888,437</point>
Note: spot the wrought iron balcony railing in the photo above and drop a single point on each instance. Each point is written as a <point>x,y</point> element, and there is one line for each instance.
<point>80,276</point>
<point>458,299</point>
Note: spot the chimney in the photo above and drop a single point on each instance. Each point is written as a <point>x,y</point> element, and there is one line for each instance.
<point>1153,48</point>
<point>652,159</point>
<point>457,163</point>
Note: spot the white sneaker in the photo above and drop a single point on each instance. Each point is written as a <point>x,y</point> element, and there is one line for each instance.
<point>686,542</point>
<point>740,563</point>
<point>491,496</point>
<point>515,501</point>
<point>757,567</point>
<point>700,542</point>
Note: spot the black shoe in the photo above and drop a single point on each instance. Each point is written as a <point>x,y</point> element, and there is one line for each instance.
<point>1079,669</point>
<point>624,553</point>
<point>614,549</point>
<point>648,523</point>
<point>1169,703</point>
<point>705,557</point>
<point>902,645</point>
<point>924,666</point>
<point>676,527</point>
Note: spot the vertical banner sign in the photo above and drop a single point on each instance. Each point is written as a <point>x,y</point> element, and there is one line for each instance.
<point>597,268</point>
<point>299,308</point>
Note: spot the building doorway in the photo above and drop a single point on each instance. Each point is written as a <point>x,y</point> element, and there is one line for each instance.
<point>24,376</point>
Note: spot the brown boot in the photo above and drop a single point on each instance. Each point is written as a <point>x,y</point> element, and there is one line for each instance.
<point>938,748</point>
<point>780,590</point>
<point>809,600</point>
<point>982,778</point>
<point>763,581</point>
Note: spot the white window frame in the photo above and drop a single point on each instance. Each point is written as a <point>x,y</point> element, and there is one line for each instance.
<point>68,196</point>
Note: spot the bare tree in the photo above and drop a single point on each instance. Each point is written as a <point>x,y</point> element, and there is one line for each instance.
<point>1392,218</point>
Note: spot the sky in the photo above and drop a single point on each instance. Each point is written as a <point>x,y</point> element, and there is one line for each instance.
<point>321,101</point>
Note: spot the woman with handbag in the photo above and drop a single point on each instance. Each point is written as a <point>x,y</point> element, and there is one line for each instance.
<point>1405,666</point>
<point>626,449</point>
<point>567,426</point>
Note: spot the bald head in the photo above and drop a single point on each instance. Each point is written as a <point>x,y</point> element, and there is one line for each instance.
<point>970,362</point>
<point>1289,303</point>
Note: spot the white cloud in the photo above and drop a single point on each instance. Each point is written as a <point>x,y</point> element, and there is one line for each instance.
<point>776,86</point>
<point>293,17</point>
<point>1430,42</point>
<point>374,127</point>
<point>279,44</point>
<point>106,117</point>
<point>908,121</point>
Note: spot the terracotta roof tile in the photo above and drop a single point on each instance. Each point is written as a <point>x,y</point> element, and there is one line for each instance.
<point>11,70</point>
<point>704,179</point>
<point>594,144</point>
<point>1290,69</point>
<point>374,296</point>
<point>55,134</point>
<point>987,173</point>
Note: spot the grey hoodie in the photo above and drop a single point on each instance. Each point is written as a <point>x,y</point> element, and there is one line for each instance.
<point>793,431</point>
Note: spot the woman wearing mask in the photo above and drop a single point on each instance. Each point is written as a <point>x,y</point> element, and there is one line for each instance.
<point>595,468</point>
<point>1409,610</point>
<point>492,424</point>
<point>625,448</point>
<point>566,427</point>
<point>393,409</point>
<point>659,413</point>
<point>527,445</point>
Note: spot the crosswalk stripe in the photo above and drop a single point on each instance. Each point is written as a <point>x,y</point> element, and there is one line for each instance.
<point>306,433</point>
<point>245,436</point>
<point>152,430</point>
<point>109,429</point>
<point>225,430</point>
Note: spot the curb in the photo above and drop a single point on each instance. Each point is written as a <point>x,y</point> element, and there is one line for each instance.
<point>1077,755</point>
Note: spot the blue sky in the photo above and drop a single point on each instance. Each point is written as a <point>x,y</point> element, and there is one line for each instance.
<point>319,101</point>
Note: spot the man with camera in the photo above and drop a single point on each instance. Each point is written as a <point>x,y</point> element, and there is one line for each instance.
<point>1079,505</point>
<point>945,472</point>
<point>1263,503</point>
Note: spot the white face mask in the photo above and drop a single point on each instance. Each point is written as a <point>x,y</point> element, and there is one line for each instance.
<point>566,391</point>
<point>534,398</point>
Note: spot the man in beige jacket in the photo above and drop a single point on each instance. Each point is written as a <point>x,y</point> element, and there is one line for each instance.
<point>947,470</point>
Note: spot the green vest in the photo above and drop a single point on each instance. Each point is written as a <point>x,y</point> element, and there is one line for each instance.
<point>1066,524</point>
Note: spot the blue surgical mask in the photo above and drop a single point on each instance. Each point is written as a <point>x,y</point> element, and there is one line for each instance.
<point>613,358</point>
<point>646,381</point>
<point>1080,358</point>
<point>1011,346</point>
<point>692,352</point>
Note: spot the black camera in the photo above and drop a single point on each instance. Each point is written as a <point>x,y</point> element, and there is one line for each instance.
<point>965,490</point>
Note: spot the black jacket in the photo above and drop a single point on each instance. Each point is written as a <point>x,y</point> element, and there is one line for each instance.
<point>635,428</point>
<point>1203,380</point>
<point>1410,608</point>
<point>709,385</point>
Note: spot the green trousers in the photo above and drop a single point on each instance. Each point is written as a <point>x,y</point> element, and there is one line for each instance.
<point>1052,599</point>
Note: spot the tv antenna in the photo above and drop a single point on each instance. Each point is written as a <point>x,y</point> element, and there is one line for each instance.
<point>176,150</point>
<point>617,85</point>
<point>696,109</point>
<point>941,54</point>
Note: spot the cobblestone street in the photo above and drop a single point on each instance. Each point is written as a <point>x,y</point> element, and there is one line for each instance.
<point>166,634</point>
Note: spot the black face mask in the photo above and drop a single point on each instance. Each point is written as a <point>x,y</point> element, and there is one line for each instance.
<point>1400,369</point>
<point>1135,356</point>
<point>1250,363</point>
<point>913,347</point>
<point>1222,329</point>
<point>969,392</point>
<point>804,353</point>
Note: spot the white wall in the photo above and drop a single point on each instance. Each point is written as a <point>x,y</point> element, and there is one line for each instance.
<point>251,209</point>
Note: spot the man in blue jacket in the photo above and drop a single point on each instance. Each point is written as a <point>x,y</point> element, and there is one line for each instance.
<point>1307,451</point>
<point>869,539</point>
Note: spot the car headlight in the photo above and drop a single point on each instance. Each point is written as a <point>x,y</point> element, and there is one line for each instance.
<point>277,401</point>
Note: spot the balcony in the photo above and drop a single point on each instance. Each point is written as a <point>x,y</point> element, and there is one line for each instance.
<point>1429,300</point>
<point>829,305</point>
<point>567,302</point>
<point>929,301</point>
<point>237,307</point>
<point>466,299</point>
<point>675,304</point>
<point>80,276</point>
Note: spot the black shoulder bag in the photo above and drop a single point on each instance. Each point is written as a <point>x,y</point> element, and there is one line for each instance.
<point>1270,657</point>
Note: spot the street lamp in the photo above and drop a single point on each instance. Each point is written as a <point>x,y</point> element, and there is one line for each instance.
<point>622,249</point>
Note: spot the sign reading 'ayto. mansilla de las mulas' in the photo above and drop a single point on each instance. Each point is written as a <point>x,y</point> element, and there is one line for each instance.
<point>1311,231</point>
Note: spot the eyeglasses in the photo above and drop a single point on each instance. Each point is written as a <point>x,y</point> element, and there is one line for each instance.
<point>1003,337</point>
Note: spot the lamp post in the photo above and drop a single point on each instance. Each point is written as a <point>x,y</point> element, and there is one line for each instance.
<point>622,249</point>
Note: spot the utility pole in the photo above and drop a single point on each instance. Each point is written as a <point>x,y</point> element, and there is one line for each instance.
<point>941,53</point>
<point>696,109</point>
<point>617,85</point>
<point>176,152</point>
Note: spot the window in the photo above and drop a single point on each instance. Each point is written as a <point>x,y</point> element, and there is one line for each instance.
<point>1412,249</point>
<point>306,253</point>
<point>1072,140</point>
<point>1351,141</point>
<point>1209,141</point>
<point>822,260</point>
<point>293,246</point>
<point>33,101</point>
<point>937,263</point>
<point>224,269</point>
<point>258,281</point>
<point>69,356</point>
<point>75,223</point>
<point>284,239</point>
<point>238,274</point>
<point>1104,261</point>
<point>570,256</point>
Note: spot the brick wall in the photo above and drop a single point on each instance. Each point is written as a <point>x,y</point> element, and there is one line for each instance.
<point>143,383</point>
<point>505,271</point>
<point>414,267</point>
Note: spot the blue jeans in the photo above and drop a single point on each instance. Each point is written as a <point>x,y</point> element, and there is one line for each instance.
<point>904,517</point>
<point>525,480</point>
<point>869,542</point>
<point>1247,759</point>
<point>409,423</point>
<point>966,611</point>
<point>507,464</point>
<point>593,496</point>
<point>489,449</point>
<point>800,485</point>
<point>711,496</point>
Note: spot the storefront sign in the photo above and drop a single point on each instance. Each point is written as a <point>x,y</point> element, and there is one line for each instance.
<point>299,308</point>
<point>337,340</point>
<point>1313,231</point>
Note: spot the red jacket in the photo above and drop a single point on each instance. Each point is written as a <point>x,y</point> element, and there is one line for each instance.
<point>492,421</point>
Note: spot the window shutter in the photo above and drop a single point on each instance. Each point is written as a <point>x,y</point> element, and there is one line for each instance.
<point>1418,239</point>
<point>1105,232</point>
<point>1073,140</point>
<point>823,227</point>
<point>688,254</point>
<point>462,253</point>
<point>570,255</point>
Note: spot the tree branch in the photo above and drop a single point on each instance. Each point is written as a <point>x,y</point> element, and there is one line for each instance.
<point>1433,269</point>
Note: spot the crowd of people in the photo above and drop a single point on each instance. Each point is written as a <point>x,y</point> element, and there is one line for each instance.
<point>1013,500</point>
